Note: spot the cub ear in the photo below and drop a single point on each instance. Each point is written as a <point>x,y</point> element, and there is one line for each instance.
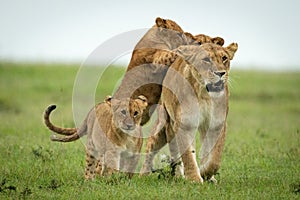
<point>142,101</point>
<point>189,35</point>
<point>160,22</point>
<point>190,38</point>
<point>108,99</point>
<point>218,41</point>
<point>231,49</point>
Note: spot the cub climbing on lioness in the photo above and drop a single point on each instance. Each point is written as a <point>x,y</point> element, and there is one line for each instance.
<point>142,77</point>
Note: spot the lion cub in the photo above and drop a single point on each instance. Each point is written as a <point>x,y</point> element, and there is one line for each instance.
<point>114,137</point>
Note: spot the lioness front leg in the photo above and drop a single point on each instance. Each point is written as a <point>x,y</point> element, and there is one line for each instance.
<point>156,141</point>
<point>211,152</point>
<point>185,142</point>
<point>154,144</point>
<point>213,138</point>
<point>176,161</point>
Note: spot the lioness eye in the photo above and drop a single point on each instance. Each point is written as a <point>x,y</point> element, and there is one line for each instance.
<point>123,112</point>
<point>224,59</point>
<point>135,113</point>
<point>179,34</point>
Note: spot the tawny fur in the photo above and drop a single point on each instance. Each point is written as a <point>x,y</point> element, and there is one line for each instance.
<point>195,73</point>
<point>144,78</point>
<point>112,128</point>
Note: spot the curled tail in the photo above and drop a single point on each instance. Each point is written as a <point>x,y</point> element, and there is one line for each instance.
<point>52,127</point>
<point>71,134</point>
<point>68,138</point>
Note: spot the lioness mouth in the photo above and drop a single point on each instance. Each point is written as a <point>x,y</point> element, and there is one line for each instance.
<point>215,87</point>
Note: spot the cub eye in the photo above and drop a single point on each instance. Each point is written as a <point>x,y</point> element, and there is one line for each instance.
<point>123,112</point>
<point>179,34</point>
<point>224,59</point>
<point>135,113</point>
<point>206,59</point>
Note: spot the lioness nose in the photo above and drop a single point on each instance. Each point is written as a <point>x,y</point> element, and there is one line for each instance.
<point>220,74</point>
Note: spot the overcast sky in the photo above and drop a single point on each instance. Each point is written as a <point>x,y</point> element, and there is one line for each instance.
<point>267,31</point>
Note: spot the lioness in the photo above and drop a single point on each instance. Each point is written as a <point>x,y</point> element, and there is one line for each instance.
<point>112,128</point>
<point>194,97</point>
<point>144,78</point>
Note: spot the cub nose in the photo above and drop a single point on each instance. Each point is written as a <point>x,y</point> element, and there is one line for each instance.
<point>129,126</point>
<point>220,74</point>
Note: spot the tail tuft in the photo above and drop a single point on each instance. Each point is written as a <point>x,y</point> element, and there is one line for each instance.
<point>62,131</point>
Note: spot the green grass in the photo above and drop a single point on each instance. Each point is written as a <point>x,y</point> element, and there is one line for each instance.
<point>261,159</point>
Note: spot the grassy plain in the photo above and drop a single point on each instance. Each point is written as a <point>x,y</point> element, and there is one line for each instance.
<point>261,159</point>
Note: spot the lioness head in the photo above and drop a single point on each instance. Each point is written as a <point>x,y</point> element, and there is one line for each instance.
<point>127,113</point>
<point>210,64</point>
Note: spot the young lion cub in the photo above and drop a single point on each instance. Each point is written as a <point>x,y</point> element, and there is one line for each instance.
<point>114,137</point>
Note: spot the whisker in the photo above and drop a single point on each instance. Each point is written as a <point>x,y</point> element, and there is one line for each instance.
<point>232,80</point>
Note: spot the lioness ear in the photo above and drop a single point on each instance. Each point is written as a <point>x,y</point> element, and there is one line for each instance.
<point>231,49</point>
<point>108,99</point>
<point>218,41</point>
<point>160,22</point>
<point>142,102</point>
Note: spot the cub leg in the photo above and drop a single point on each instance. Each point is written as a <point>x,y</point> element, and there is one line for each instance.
<point>129,162</point>
<point>99,167</point>
<point>111,161</point>
<point>91,163</point>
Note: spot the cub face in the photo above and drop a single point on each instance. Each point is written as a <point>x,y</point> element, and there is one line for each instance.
<point>127,113</point>
<point>171,33</point>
